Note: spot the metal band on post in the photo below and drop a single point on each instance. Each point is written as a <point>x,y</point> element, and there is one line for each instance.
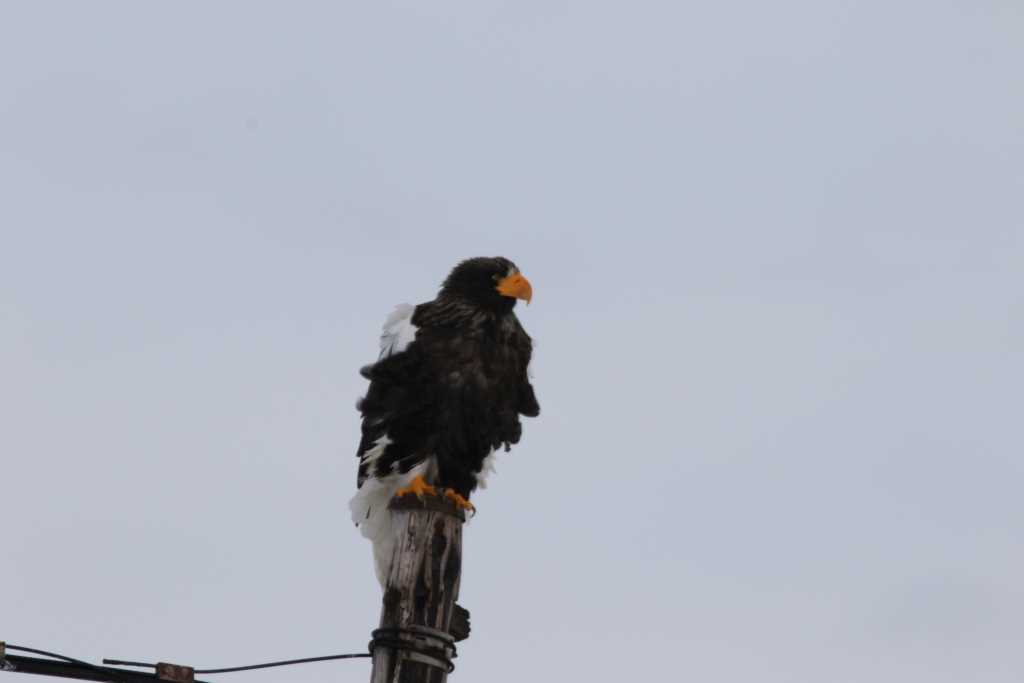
<point>420,644</point>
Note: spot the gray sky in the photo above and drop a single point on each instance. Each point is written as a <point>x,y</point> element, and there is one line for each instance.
<point>776,253</point>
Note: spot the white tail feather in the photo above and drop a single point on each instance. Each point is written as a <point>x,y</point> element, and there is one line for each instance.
<point>370,512</point>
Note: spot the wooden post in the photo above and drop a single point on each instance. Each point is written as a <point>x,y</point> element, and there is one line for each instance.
<point>413,643</point>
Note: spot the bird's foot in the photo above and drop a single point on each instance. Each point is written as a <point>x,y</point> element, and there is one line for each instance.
<point>417,486</point>
<point>459,501</point>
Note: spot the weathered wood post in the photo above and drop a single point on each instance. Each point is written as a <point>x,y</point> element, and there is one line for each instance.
<point>414,642</point>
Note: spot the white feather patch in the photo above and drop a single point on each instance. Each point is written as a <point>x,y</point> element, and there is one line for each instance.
<point>370,456</point>
<point>398,331</point>
<point>486,469</point>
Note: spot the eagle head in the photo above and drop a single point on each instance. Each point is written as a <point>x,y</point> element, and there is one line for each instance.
<point>493,283</point>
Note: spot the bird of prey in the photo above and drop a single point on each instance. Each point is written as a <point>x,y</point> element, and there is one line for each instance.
<point>445,394</point>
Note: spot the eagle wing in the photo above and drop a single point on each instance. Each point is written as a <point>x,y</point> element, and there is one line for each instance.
<point>392,402</point>
<point>434,392</point>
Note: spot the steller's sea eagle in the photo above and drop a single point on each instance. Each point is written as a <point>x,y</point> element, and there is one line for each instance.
<point>445,394</point>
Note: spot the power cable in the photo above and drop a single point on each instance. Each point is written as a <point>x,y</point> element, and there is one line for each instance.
<point>247,667</point>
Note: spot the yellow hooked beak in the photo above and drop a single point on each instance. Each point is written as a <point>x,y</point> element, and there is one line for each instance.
<point>516,286</point>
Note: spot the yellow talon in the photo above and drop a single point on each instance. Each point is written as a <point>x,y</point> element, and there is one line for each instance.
<point>417,486</point>
<point>459,500</point>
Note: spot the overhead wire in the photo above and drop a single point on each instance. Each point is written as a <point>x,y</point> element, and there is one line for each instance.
<point>111,674</point>
<point>247,667</point>
<point>22,648</point>
<point>286,662</point>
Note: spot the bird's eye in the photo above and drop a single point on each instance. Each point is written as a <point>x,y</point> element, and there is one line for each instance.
<point>496,277</point>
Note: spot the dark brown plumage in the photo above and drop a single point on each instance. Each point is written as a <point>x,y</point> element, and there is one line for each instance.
<point>455,391</point>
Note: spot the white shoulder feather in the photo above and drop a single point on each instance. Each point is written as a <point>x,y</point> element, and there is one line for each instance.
<point>398,331</point>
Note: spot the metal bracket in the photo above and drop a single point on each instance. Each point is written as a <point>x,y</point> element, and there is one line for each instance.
<point>175,673</point>
<point>459,628</point>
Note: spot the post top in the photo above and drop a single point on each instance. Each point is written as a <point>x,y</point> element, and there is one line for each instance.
<point>431,503</point>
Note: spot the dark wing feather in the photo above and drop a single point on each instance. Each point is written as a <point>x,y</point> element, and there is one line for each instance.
<point>395,402</point>
<point>456,392</point>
